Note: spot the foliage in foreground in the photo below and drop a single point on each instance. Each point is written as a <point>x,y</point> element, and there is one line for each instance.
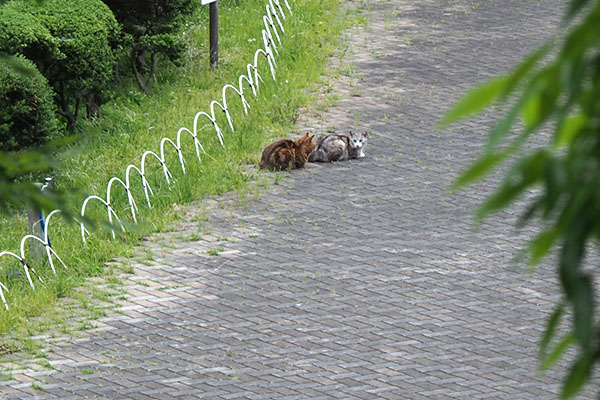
<point>563,94</point>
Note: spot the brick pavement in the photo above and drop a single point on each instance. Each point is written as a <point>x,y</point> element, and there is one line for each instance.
<point>355,280</point>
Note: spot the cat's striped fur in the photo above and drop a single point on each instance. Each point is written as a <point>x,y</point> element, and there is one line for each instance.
<point>287,154</point>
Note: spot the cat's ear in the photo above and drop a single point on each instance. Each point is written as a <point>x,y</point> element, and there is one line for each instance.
<point>365,134</point>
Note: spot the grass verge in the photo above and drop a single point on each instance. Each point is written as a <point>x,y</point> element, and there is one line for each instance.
<point>134,122</point>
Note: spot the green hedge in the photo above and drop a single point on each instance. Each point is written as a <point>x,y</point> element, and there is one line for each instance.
<point>27,113</point>
<point>150,28</point>
<point>22,33</point>
<point>86,34</point>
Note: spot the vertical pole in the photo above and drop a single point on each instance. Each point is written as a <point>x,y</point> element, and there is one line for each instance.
<point>214,34</point>
<point>36,249</point>
<point>36,225</point>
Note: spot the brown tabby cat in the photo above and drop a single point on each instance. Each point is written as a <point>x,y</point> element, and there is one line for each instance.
<point>287,154</point>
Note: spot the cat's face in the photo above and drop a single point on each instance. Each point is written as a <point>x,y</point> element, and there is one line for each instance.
<point>358,140</point>
<point>306,143</point>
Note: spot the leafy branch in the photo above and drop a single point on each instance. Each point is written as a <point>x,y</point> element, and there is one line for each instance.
<point>563,94</point>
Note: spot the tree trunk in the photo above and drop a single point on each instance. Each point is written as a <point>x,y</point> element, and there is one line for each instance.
<point>116,74</point>
<point>65,110</point>
<point>92,106</point>
<point>138,62</point>
<point>153,62</point>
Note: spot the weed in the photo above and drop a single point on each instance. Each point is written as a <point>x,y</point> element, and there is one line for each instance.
<point>45,364</point>
<point>6,376</point>
<point>278,178</point>
<point>30,346</point>
<point>86,326</point>
<point>194,237</point>
<point>215,252</point>
<point>98,313</point>
<point>114,279</point>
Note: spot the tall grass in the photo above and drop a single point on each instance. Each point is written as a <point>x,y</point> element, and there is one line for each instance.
<point>134,122</point>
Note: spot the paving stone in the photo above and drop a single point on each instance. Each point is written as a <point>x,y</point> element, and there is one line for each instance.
<point>361,279</point>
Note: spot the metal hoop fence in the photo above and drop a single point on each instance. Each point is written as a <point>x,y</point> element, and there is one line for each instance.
<point>271,37</point>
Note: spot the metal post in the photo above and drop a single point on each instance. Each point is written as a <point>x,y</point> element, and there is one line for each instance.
<point>36,249</point>
<point>214,34</point>
<point>36,225</point>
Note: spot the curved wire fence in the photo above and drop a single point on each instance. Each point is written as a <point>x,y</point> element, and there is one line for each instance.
<point>271,36</point>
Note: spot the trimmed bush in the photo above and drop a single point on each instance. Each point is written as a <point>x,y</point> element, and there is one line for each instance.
<point>27,113</point>
<point>87,35</point>
<point>21,33</point>
<point>151,28</point>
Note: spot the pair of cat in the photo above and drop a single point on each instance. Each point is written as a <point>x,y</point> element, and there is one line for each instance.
<point>287,154</point>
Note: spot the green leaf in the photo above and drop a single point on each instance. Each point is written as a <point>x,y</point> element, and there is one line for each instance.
<point>556,179</point>
<point>476,100</point>
<point>503,196</point>
<point>523,69</point>
<point>570,259</point>
<point>532,111</point>
<point>478,169</point>
<point>541,102</point>
<point>575,6</point>
<point>569,129</point>
<point>576,284</point>
<point>551,325</point>
<point>583,305</point>
<point>584,34</point>
<point>502,128</point>
<point>576,203</point>
<point>557,351</point>
<point>578,375</point>
<point>541,245</point>
<point>524,174</point>
<point>27,70</point>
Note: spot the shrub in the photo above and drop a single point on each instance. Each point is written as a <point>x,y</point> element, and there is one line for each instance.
<point>27,113</point>
<point>150,28</point>
<point>86,34</point>
<point>21,33</point>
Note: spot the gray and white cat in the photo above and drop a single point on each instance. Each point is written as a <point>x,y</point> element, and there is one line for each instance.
<point>336,147</point>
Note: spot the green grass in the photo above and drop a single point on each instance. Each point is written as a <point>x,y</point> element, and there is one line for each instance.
<point>215,252</point>
<point>45,364</point>
<point>6,376</point>
<point>37,386</point>
<point>134,122</point>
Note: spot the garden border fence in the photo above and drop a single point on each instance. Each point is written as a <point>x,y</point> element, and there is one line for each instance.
<point>273,27</point>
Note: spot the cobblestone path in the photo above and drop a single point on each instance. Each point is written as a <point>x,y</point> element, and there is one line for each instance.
<point>354,280</point>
